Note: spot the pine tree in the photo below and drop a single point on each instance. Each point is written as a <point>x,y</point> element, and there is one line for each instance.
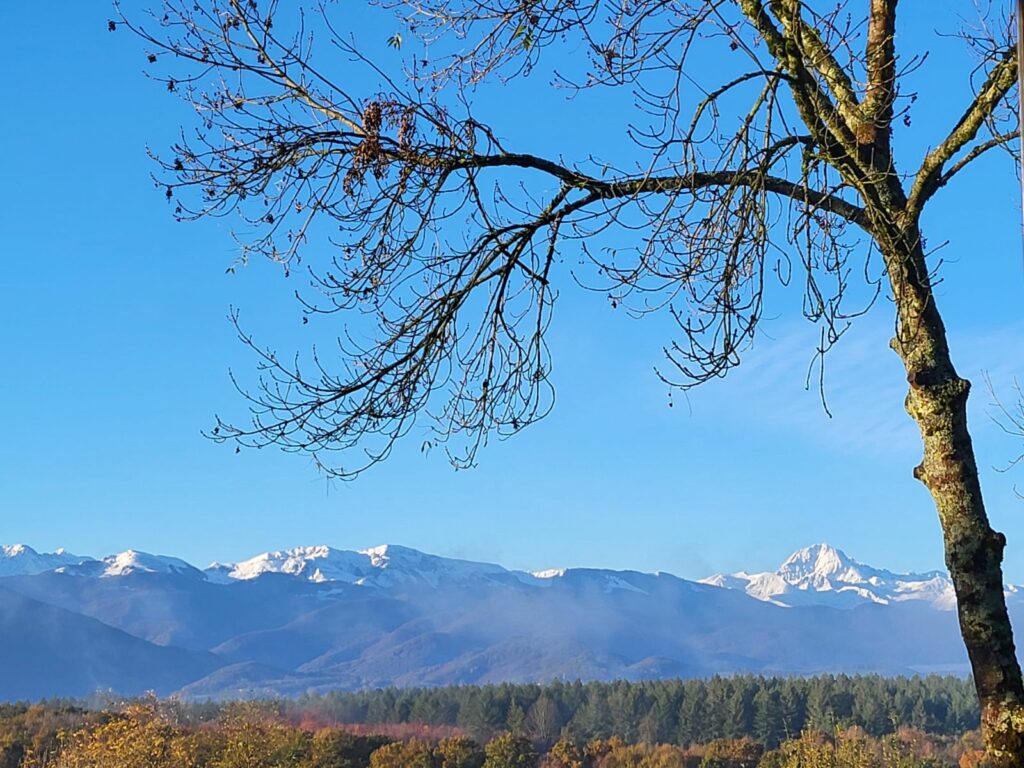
<point>769,724</point>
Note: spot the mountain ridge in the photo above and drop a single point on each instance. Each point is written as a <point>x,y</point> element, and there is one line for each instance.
<point>819,574</point>
<point>317,619</point>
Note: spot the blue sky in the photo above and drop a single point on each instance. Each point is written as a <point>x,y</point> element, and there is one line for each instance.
<point>116,347</point>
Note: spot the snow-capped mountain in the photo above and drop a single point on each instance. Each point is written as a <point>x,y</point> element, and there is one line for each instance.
<point>21,560</point>
<point>132,561</point>
<point>318,619</point>
<point>823,575</point>
<point>816,575</point>
<point>383,566</point>
<point>128,562</point>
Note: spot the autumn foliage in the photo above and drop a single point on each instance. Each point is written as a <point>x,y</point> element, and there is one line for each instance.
<point>152,734</point>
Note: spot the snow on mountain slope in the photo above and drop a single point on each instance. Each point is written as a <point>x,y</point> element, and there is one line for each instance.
<point>550,573</point>
<point>815,575</point>
<point>384,566</point>
<point>823,575</point>
<point>395,564</point>
<point>21,560</point>
<point>390,566</point>
<point>317,564</point>
<point>132,561</point>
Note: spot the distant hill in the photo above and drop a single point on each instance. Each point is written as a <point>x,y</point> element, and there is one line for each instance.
<point>48,651</point>
<point>318,619</point>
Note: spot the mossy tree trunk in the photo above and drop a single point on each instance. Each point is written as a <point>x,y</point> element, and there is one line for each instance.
<point>937,401</point>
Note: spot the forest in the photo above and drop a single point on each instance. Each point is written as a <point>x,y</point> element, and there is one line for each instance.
<point>722,722</point>
<point>767,709</point>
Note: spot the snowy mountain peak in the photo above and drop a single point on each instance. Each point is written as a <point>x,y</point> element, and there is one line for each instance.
<point>133,561</point>
<point>821,564</point>
<point>381,555</point>
<point>824,575</point>
<point>316,563</point>
<point>381,566</point>
<point>822,554</point>
<point>22,560</point>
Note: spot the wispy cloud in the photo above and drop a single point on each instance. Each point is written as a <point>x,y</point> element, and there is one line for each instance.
<point>864,387</point>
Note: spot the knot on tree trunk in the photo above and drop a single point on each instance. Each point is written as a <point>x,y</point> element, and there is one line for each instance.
<point>939,380</point>
<point>979,553</point>
<point>936,395</point>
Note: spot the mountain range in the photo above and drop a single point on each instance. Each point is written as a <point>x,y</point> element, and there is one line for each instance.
<point>318,618</point>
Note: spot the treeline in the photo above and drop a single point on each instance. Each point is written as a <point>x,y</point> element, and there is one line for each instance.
<point>765,709</point>
<point>163,735</point>
<point>722,722</point>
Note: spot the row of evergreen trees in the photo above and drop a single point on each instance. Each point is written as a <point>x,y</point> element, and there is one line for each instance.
<point>767,709</point>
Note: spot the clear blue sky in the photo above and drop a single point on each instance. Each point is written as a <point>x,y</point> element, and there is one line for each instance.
<point>115,348</point>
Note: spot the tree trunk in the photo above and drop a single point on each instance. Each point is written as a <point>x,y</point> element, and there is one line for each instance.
<point>937,401</point>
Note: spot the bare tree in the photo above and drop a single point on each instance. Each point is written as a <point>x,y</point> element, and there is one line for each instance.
<point>449,244</point>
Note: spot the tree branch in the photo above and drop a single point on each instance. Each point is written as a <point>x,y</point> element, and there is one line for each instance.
<point>880,60</point>
<point>821,58</point>
<point>997,85</point>
<point>977,151</point>
<point>825,120</point>
<point>667,184</point>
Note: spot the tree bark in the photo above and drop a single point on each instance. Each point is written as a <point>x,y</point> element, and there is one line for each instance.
<point>937,401</point>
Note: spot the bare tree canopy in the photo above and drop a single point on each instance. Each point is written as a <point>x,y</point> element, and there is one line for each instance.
<point>446,238</point>
<point>759,148</point>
